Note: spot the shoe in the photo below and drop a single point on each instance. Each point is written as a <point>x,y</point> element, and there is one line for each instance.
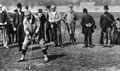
<point>91,46</point>
<point>85,46</point>
<point>21,60</point>
<point>45,61</point>
<point>109,45</point>
<point>104,45</point>
<point>20,50</point>
<point>61,46</point>
<point>5,46</point>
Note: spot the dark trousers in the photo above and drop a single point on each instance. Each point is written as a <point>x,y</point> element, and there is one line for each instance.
<point>48,34</point>
<point>71,31</point>
<point>88,36</point>
<point>20,35</point>
<point>56,34</point>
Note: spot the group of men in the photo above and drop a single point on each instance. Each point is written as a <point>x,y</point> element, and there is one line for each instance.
<point>46,27</point>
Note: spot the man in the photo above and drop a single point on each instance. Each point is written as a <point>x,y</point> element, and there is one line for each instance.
<point>70,18</point>
<point>31,29</point>
<point>106,22</point>
<point>18,25</point>
<point>88,26</point>
<point>43,20</point>
<point>54,19</point>
<point>3,26</point>
<point>26,8</point>
<point>48,30</point>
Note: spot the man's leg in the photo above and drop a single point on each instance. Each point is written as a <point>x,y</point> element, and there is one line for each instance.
<point>86,37</point>
<point>55,34</point>
<point>5,38</point>
<point>19,34</point>
<point>109,36</point>
<point>44,49</point>
<point>24,48</point>
<point>105,39</point>
<point>59,36</point>
<point>90,38</point>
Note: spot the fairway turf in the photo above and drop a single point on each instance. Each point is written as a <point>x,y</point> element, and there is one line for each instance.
<point>70,58</point>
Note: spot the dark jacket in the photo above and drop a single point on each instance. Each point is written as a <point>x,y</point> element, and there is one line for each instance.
<point>87,19</point>
<point>106,20</point>
<point>3,17</point>
<point>17,19</point>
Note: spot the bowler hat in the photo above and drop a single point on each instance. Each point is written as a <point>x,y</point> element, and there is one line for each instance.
<point>106,7</point>
<point>40,11</point>
<point>19,5</point>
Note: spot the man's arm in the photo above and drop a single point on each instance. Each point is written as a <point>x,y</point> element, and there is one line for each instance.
<point>83,22</point>
<point>101,20</point>
<point>59,17</point>
<point>4,17</point>
<point>38,24</point>
<point>25,27</point>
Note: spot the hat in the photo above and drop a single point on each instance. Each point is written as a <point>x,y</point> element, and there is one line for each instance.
<point>53,6</point>
<point>48,6</point>
<point>85,10</point>
<point>26,7</point>
<point>70,6</point>
<point>19,5</point>
<point>26,13</point>
<point>40,11</point>
<point>106,7</point>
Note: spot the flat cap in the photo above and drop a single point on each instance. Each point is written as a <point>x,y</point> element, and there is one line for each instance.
<point>70,6</point>
<point>53,6</point>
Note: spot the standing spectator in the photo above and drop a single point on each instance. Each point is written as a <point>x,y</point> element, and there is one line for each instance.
<point>48,30</point>
<point>54,19</point>
<point>88,26</point>
<point>106,22</point>
<point>3,26</point>
<point>18,25</point>
<point>43,20</point>
<point>70,18</point>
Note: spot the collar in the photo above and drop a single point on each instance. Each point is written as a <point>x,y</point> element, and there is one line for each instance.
<point>54,13</point>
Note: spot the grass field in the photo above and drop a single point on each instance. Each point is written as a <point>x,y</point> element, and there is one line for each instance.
<point>69,58</point>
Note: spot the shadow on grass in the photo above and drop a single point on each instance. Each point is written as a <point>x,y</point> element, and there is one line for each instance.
<point>53,57</point>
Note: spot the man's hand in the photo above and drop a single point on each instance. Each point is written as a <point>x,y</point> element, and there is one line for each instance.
<point>14,29</point>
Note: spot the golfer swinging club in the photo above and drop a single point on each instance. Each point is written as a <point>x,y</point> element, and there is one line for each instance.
<point>31,29</point>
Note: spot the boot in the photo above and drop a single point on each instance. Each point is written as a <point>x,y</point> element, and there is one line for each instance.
<point>109,45</point>
<point>104,45</point>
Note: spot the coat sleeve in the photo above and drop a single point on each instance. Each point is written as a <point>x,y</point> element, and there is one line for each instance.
<point>59,17</point>
<point>38,24</point>
<point>25,27</point>
<point>4,17</point>
<point>14,20</point>
<point>101,20</point>
<point>64,16</point>
<point>83,22</point>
